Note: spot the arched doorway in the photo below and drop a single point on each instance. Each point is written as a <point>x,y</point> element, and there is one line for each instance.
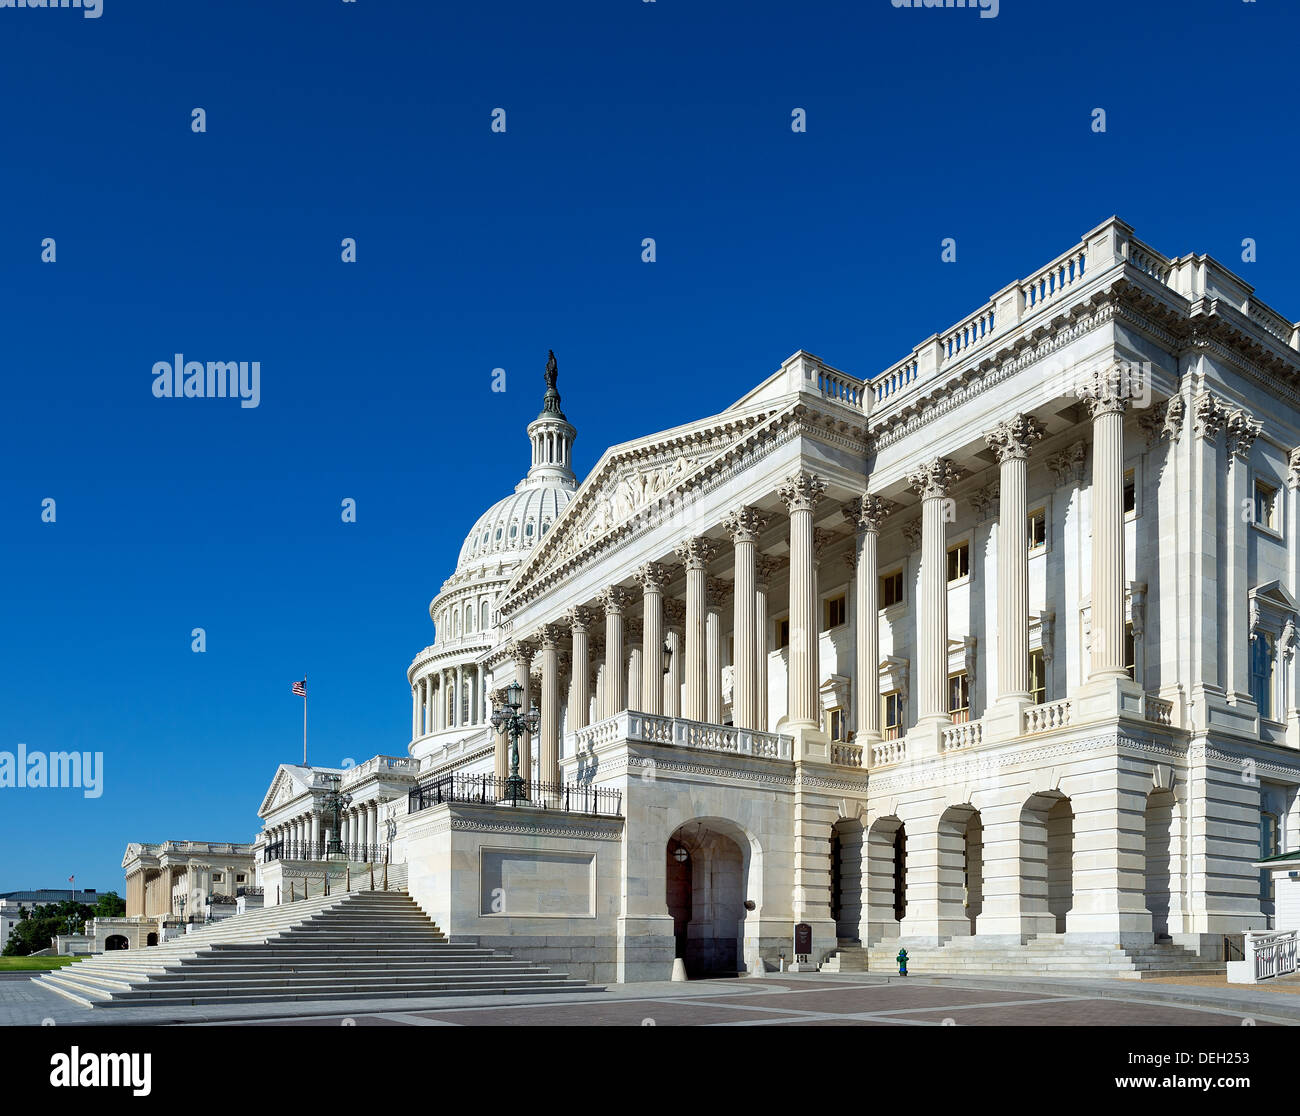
<point>846,879</point>
<point>152,939</point>
<point>1160,859</point>
<point>961,870</point>
<point>116,941</point>
<point>1047,859</point>
<point>706,898</point>
<point>886,878</point>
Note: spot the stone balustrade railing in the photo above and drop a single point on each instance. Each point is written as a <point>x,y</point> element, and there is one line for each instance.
<point>678,732</point>
<point>1050,715</point>
<point>969,734</point>
<point>1159,711</point>
<point>396,765</point>
<point>1267,954</point>
<point>1106,246</point>
<point>846,755</point>
<point>887,752</point>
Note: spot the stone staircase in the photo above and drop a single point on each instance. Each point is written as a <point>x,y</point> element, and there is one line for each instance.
<point>359,945</point>
<point>1043,956</point>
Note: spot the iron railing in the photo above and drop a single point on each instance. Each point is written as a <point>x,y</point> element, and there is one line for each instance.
<point>321,850</point>
<point>571,798</point>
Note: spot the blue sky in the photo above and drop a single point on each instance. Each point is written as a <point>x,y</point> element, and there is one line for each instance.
<point>477,250</point>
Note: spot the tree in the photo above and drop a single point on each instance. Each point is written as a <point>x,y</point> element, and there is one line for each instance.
<point>36,929</point>
<point>110,905</point>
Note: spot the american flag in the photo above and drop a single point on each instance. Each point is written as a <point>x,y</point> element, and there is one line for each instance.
<point>71,878</point>
<point>300,688</point>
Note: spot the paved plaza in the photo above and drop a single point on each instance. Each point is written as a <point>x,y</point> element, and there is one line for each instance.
<point>793,1000</point>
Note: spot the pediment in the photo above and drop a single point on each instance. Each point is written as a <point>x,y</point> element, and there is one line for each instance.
<point>286,786</point>
<point>629,482</point>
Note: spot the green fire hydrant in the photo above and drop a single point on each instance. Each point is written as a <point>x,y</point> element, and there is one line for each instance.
<point>902,962</point>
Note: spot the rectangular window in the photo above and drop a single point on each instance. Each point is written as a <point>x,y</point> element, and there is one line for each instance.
<point>836,725</point>
<point>1130,651</point>
<point>1262,658</point>
<point>959,697</point>
<point>1266,506</point>
<point>216,877</point>
<point>1038,529</point>
<point>1037,677</point>
<point>833,612</point>
<point>1269,828</point>
<point>891,588</point>
<point>783,633</point>
<point>891,714</point>
<point>1130,492</point>
<point>239,879</point>
<point>959,562</point>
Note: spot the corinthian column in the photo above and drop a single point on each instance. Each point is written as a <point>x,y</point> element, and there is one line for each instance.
<point>1011,442</point>
<point>580,686</point>
<point>550,757</point>
<point>866,514</point>
<point>1106,394</point>
<point>614,600</point>
<point>800,494</point>
<point>523,656</point>
<point>744,526</point>
<point>501,751</point>
<point>652,578</point>
<point>695,555</point>
<point>675,621</point>
<point>765,569</point>
<point>718,591</point>
<point>932,482</point>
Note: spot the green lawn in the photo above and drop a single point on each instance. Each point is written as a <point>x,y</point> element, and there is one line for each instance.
<point>33,964</point>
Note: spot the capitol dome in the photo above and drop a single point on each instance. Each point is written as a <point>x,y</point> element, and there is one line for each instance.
<point>515,524</point>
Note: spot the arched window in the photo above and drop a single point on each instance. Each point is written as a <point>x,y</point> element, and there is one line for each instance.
<point>514,530</point>
<point>469,618</point>
<point>483,622</point>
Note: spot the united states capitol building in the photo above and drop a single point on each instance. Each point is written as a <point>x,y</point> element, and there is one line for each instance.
<point>992,650</point>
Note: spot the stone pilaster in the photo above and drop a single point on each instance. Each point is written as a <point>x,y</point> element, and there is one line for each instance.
<point>1240,433</point>
<point>744,526</point>
<point>718,592</point>
<point>675,622</point>
<point>765,570</point>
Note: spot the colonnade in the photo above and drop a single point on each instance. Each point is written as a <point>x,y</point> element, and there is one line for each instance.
<point>358,825</point>
<point>432,712</point>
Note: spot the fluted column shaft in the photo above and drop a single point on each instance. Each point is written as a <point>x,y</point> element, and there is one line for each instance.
<point>1011,441</point>
<point>614,601</point>
<point>695,554</point>
<point>932,482</point>
<point>1108,542</point>
<point>801,494</point>
<point>652,577</point>
<point>713,659</point>
<point>744,526</point>
<point>523,665</point>
<point>580,686</point>
<point>867,514</point>
<point>550,755</point>
<point>673,683</point>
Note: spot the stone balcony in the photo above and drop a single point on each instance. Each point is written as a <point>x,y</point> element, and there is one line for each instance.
<point>678,732</point>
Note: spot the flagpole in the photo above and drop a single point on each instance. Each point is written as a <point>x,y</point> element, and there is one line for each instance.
<point>304,721</point>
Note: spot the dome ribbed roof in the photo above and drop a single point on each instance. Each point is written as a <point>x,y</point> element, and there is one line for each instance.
<point>514,525</point>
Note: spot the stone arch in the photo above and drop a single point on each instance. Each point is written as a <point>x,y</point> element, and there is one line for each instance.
<point>961,870</point>
<point>1047,859</point>
<point>886,857</point>
<point>711,863</point>
<point>116,942</point>
<point>151,939</point>
<point>848,861</point>
<point>1161,884</point>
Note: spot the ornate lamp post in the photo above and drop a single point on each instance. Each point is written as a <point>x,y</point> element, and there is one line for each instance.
<point>507,718</point>
<point>337,801</point>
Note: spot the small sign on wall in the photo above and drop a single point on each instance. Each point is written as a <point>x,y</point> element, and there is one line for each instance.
<point>802,943</point>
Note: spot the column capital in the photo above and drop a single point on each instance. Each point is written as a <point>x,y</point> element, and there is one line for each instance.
<point>614,599</point>
<point>985,500</point>
<point>718,590</point>
<point>1013,438</point>
<point>521,652</point>
<point>1242,430</point>
<point>744,524</point>
<point>653,575</point>
<point>912,533</point>
<point>1163,420</point>
<point>801,491</point>
<point>767,567</point>
<point>1209,416</point>
<point>868,512</point>
<point>1293,468</point>
<point>674,614</point>
<point>1068,464</point>
<point>696,553</point>
<point>551,634</point>
<point>934,478</point>
<point>1111,389</point>
<point>823,538</point>
<point>580,619</point>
